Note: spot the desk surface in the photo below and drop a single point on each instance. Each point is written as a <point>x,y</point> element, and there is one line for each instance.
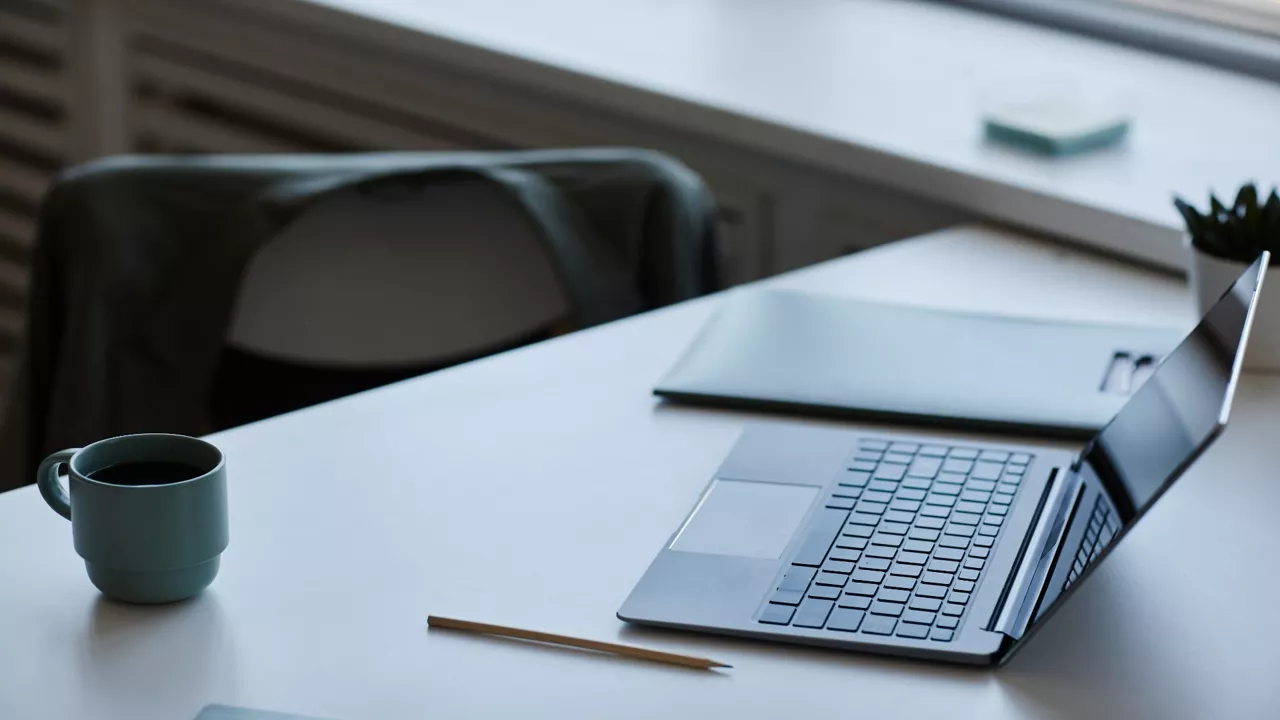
<point>890,91</point>
<point>533,488</point>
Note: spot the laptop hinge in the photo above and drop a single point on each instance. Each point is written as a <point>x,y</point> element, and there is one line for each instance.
<point>1033,569</point>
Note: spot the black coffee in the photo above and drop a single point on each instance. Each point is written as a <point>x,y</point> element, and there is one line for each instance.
<point>146,473</point>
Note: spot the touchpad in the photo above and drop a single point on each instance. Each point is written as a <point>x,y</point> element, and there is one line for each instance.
<point>747,519</point>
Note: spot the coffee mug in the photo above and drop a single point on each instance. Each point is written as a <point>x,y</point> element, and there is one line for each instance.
<point>148,513</point>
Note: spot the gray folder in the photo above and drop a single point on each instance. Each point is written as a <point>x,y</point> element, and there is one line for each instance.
<point>820,355</point>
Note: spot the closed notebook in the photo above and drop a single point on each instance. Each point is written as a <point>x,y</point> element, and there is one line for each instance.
<point>820,355</point>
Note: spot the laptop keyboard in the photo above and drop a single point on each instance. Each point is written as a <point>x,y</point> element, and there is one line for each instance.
<point>1102,527</point>
<point>901,542</point>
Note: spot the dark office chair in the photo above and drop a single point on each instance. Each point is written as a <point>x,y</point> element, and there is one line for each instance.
<point>189,294</point>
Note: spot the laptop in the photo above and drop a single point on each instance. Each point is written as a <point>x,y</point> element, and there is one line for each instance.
<point>952,551</point>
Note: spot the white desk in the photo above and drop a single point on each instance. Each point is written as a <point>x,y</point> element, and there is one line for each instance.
<point>533,489</point>
<point>887,91</point>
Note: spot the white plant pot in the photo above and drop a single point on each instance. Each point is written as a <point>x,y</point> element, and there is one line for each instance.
<point>1211,276</point>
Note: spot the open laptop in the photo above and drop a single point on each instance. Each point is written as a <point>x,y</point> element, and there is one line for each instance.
<point>953,551</point>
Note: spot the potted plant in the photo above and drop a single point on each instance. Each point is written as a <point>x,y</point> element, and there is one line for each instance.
<point>1223,241</point>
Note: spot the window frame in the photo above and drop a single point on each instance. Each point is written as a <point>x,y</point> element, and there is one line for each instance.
<point>1145,27</point>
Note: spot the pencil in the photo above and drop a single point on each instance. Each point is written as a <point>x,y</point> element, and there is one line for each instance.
<point>553,639</point>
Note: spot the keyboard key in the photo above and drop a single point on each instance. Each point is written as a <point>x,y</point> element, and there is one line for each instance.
<point>980,485</point>
<point>886,608</point>
<point>946,489</point>
<point>907,557</point>
<point>840,554</point>
<point>897,458</point>
<point>933,451</point>
<point>899,516</point>
<point>935,511</point>
<point>986,471</point>
<point>837,566</point>
<point>926,604</point>
<point>873,455</point>
<point>1011,478</point>
<point>947,478</point>
<point>941,635</point>
<point>942,499</point>
<point>975,563</point>
<point>854,479</point>
<point>886,539</point>
<point>964,453</point>
<point>797,578</point>
<point>996,520</point>
<point>879,624</point>
<point>989,530</point>
<point>787,597</point>
<point>920,617</point>
<point>999,456</point>
<point>867,576</point>
<point>954,541</point>
<point>857,518</point>
<point>878,496</point>
<point>943,566</point>
<point>894,528</point>
<point>907,570</point>
<point>822,532</point>
<point>888,486</point>
<point>777,614</point>
<point>910,494</point>
<point>905,506</point>
<point>947,609</point>
<point>918,632</point>
<point>932,591</point>
<point>916,483</point>
<point>840,503</point>
<point>869,507</point>
<point>956,465</point>
<point>924,534</point>
<point>963,586</point>
<point>1019,470</point>
<point>873,563</point>
<point>863,465</point>
<point>1000,510</point>
<point>980,552</point>
<point>945,553</point>
<point>964,518</point>
<point>889,471</point>
<point>858,531</point>
<point>824,592</point>
<point>970,495</point>
<point>936,578</point>
<point>925,467</point>
<point>899,582</point>
<point>893,595</point>
<point>917,546</point>
<point>857,602</point>
<point>845,620</point>
<point>848,542</point>
<point>960,530</point>
<point>873,444</point>
<point>862,588</point>
<point>959,598</point>
<point>879,551</point>
<point>813,613</point>
<point>904,447</point>
<point>1002,499</point>
<point>930,523</point>
<point>966,506</point>
<point>967,574</point>
<point>1019,459</point>
<point>1006,489</point>
<point>984,541</point>
<point>947,622</point>
<point>834,579</point>
<point>849,493</point>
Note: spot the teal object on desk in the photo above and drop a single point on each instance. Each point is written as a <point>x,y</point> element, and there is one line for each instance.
<point>1056,127</point>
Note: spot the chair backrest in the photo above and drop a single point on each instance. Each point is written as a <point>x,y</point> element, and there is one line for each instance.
<point>370,278</point>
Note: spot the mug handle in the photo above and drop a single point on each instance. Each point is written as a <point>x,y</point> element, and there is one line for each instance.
<point>50,488</point>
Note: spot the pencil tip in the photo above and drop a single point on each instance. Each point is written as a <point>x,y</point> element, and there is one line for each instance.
<point>721,665</point>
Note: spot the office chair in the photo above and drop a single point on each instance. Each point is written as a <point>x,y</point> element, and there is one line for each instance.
<point>190,294</point>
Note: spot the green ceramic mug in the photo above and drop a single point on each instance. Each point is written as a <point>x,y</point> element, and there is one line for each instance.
<point>148,513</point>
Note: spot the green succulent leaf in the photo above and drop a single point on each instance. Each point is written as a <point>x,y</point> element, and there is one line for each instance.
<point>1239,232</point>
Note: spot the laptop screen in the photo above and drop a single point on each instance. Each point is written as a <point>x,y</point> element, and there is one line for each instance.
<point>1174,414</point>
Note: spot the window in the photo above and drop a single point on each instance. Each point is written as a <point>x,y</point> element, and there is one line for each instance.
<point>1240,35</point>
